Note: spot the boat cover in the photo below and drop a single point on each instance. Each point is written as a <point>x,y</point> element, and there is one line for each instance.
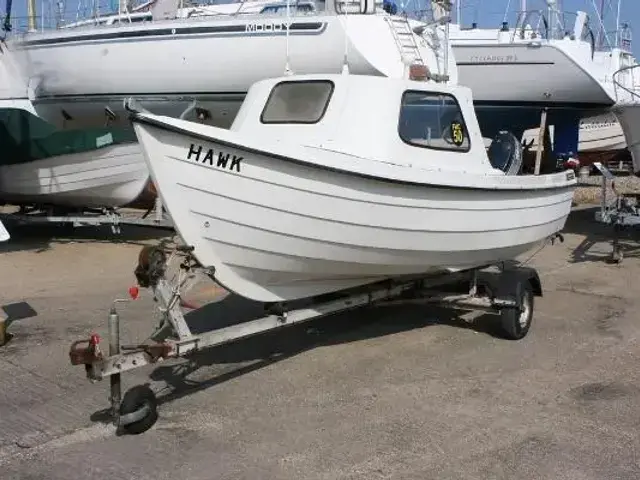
<point>25,137</point>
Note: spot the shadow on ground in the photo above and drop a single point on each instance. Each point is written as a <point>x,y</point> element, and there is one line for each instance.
<point>582,222</point>
<point>40,237</point>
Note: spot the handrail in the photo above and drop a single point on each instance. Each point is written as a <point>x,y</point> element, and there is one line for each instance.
<point>616,83</point>
<point>47,23</point>
<point>521,23</point>
<point>557,32</point>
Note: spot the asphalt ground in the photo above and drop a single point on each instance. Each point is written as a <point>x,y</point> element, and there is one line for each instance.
<point>403,392</point>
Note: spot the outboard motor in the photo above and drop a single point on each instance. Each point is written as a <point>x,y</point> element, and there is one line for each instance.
<point>505,153</point>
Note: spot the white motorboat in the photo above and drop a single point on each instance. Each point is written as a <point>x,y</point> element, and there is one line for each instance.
<point>99,167</point>
<point>82,74</point>
<point>326,182</point>
<point>91,168</point>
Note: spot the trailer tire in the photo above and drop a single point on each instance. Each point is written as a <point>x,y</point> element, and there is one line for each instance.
<point>515,322</point>
<point>136,398</point>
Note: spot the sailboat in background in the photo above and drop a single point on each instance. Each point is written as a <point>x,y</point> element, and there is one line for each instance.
<point>543,62</point>
<point>80,74</point>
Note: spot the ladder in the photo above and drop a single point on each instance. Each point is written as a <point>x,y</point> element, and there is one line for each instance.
<point>405,39</point>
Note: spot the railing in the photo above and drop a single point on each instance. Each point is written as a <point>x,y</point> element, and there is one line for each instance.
<point>621,39</point>
<point>559,25</point>
<point>554,29</point>
<point>633,90</point>
<point>101,15</point>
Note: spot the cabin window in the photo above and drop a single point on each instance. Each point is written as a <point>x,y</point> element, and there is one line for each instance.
<point>433,120</point>
<point>282,9</point>
<point>297,102</point>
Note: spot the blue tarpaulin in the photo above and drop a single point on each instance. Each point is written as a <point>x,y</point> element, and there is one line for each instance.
<point>389,6</point>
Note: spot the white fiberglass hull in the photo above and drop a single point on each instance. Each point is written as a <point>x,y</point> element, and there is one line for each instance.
<point>109,177</point>
<point>628,114</point>
<point>522,74</point>
<point>276,228</point>
<point>165,65</point>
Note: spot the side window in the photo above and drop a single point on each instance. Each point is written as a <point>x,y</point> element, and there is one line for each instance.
<point>432,120</point>
<point>297,102</point>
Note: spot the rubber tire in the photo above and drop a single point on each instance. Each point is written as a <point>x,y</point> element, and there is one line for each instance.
<point>134,399</point>
<point>510,317</point>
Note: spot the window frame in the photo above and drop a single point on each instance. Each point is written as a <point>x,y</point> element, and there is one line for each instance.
<point>441,149</point>
<point>298,122</point>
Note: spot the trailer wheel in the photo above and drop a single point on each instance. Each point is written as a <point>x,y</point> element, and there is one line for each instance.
<point>138,398</point>
<point>515,322</point>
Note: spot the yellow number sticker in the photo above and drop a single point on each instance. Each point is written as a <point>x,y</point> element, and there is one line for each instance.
<point>457,133</point>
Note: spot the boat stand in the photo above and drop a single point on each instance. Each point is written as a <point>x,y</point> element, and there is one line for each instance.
<point>621,212</point>
<point>505,290</point>
<point>156,216</point>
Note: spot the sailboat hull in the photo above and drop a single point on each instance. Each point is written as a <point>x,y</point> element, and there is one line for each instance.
<point>523,74</point>
<point>165,65</point>
<point>628,114</point>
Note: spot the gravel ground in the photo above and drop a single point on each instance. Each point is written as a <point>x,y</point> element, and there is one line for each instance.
<point>589,190</point>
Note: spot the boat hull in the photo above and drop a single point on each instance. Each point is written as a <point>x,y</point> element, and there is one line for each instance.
<point>513,82</point>
<point>520,74</point>
<point>628,114</point>
<point>168,64</point>
<point>279,230</point>
<point>113,176</point>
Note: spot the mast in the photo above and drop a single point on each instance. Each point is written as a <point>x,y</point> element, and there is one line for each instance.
<point>31,15</point>
<point>618,39</point>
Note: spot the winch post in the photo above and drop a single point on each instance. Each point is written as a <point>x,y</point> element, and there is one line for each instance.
<point>473,285</point>
<point>541,133</point>
<point>114,349</point>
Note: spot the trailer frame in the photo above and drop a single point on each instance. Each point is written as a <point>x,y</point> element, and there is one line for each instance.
<point>506,289</point>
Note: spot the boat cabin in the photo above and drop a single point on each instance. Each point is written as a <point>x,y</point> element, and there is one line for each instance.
<point>399,121</point>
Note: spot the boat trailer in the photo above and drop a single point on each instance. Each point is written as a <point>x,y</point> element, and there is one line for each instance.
<point>505,289</point>
<point>155,216</point>
<point>621,212</point>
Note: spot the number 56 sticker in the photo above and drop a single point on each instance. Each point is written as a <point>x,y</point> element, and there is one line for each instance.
<point>457,133</point>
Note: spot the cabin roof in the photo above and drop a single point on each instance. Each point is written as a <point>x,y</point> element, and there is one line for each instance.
<point>366,116</point>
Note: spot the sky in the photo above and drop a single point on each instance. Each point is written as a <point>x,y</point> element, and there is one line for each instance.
<point>487,13</point>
